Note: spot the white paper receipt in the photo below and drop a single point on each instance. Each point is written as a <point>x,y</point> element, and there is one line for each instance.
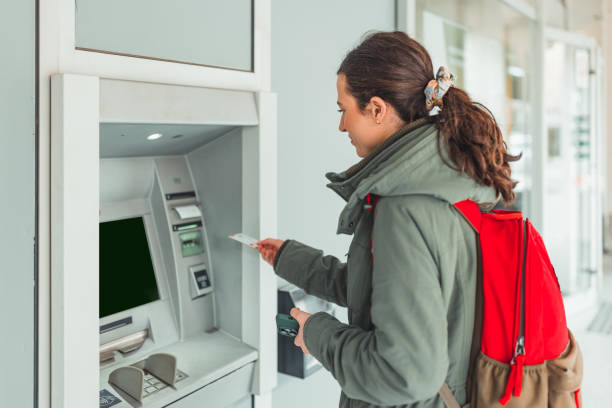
<point>188,211</point>
<point>245,239</point>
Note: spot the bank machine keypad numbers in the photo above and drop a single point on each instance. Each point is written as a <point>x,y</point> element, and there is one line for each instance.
<point>200,281</point>
<point>153,384</point>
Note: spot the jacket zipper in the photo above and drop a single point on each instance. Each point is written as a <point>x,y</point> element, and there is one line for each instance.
<point>515,378</point>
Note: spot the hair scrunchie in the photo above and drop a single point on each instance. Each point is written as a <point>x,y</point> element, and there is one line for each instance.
<point>436,88</point>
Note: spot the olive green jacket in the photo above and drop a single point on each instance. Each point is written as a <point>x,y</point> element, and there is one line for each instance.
<point>411,304</point>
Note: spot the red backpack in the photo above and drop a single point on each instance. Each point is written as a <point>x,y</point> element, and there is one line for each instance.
<point>523,354</point>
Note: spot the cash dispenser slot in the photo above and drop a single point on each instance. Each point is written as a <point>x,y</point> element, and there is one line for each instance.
<point>116,324</point>
<point>124,345</point>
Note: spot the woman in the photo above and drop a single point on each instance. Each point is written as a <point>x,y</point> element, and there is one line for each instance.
<point>410,277</point>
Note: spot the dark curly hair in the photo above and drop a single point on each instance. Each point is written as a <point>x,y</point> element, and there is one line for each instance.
<point>396,68</point>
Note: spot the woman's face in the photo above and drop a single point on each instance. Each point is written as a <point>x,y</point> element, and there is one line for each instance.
<point>369,128</point>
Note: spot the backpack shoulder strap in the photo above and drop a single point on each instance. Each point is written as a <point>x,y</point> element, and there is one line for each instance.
<point>447,397</point>
<point>470,210</point>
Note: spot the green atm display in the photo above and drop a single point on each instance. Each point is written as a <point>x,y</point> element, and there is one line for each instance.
<point>191,243</point>
<point>127,278</point>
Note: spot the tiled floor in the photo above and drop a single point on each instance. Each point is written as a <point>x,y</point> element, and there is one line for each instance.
<point>596,349</point>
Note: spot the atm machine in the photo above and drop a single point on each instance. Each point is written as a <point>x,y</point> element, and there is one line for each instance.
<point>152,304</point>
<point>158,334</point>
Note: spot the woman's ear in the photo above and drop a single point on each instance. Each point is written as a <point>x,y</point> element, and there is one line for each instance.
<point>378,109</point>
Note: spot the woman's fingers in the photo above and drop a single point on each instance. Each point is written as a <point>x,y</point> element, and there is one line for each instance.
<point>268,248</point>
<point>270,242</point>
<point>266,242</point>
<point>267,254</point>
<point>301,318</point>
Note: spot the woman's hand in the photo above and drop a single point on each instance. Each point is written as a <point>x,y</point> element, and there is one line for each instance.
<point>301,318</point>
<point>268,249</point>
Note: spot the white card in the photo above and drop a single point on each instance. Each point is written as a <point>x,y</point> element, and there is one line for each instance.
<point>245,239</point>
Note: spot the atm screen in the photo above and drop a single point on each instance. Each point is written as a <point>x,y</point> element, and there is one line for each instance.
<point>127,278</point>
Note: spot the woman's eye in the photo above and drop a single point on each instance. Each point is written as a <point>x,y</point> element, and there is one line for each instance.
<point>340,110</point>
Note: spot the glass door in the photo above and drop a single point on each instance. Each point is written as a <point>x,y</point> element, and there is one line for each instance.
<point>572,204</point>
<point>487,46</point>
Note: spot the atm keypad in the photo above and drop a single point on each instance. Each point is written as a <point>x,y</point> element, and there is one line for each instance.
<point>152,384</point>
<point>202,279</point>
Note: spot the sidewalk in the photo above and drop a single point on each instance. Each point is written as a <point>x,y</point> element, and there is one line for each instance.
<point>596,348</point>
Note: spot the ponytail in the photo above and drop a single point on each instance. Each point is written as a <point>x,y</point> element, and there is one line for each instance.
<point>475,143</point>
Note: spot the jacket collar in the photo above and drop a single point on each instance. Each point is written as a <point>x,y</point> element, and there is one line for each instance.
<point>410,161</point>
<point>345,183</point>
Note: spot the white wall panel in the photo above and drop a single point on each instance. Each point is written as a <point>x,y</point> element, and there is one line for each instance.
<point>309,41</point>
<point>74,236</point>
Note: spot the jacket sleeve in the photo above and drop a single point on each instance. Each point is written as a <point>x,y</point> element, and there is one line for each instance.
<point>404,358</point>
<point>319,275</point>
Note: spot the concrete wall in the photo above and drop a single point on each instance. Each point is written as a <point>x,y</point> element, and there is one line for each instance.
<point>17,184</point>
<point>309,41</point>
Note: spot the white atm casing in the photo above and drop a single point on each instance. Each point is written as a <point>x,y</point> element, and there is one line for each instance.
<point>224,340</point>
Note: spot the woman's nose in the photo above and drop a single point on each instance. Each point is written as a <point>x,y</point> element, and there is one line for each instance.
<point>341,126</point>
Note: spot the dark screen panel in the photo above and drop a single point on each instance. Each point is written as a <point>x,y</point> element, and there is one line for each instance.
<point>127,278</point>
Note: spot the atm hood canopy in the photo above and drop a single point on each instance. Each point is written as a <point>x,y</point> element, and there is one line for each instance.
<point>187,117</point>
<point>130,139</point>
